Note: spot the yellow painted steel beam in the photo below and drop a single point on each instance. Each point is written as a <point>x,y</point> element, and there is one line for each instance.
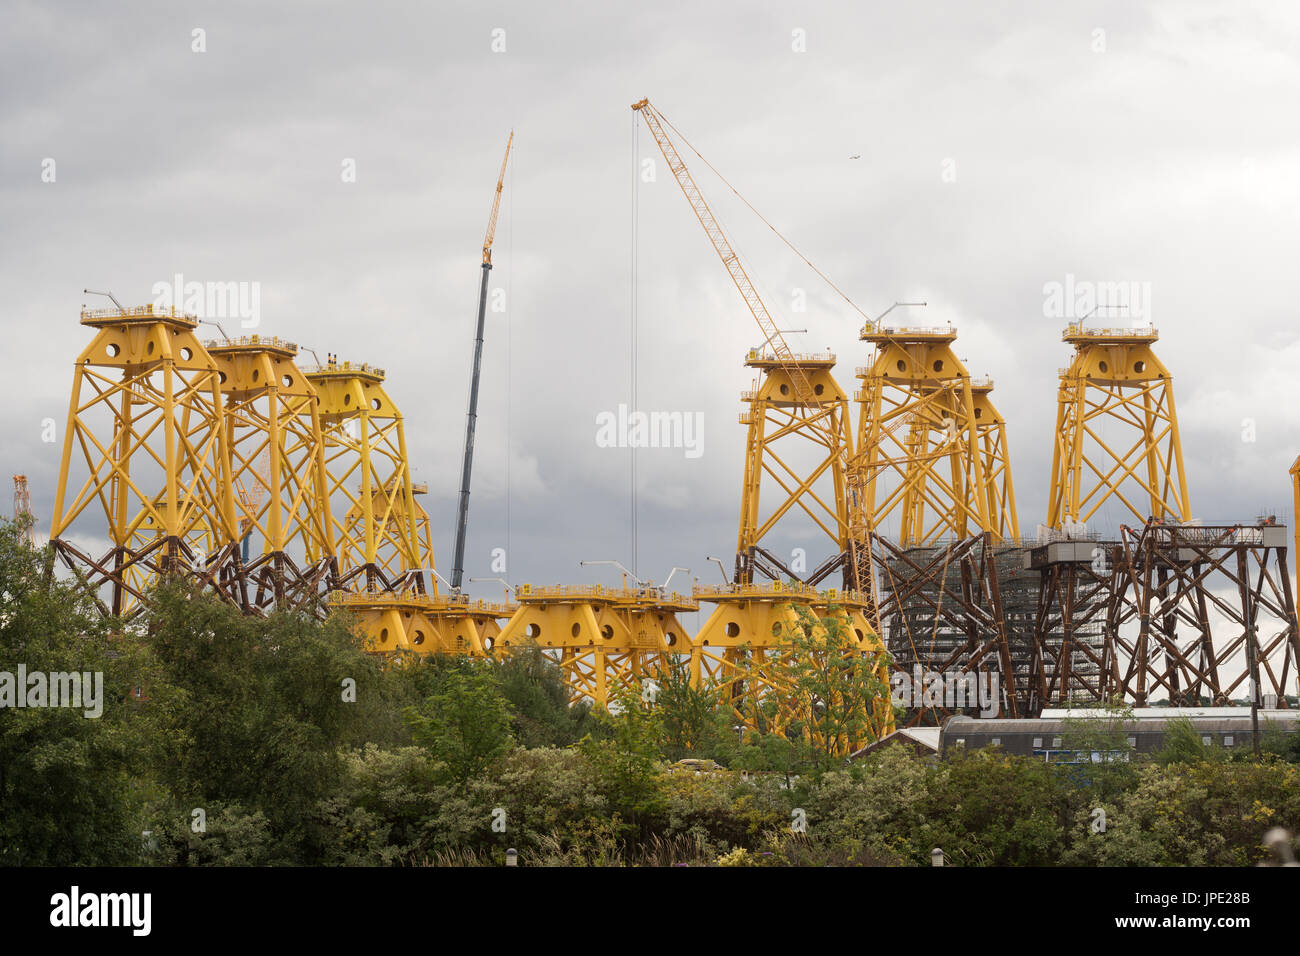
<point>919,409</point>
<point>272,416</point>
<point>145,416</point>
<point>1115,381</point>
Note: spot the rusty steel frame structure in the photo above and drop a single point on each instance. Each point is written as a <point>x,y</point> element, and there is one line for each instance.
<point>935,453</point>
<point>952,590</point>
<point>1169,583</point>
<point>1070,647</point>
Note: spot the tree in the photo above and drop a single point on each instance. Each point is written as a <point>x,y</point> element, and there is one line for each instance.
<point>1182,743</point>
<point>541,715</point>
<point>1106,757</point>
<point>627,760</point>
<point>693,721</point>
<point>836,694</point>
<point>252,712</point>
<point>465,722</point>
<point>67,778</point>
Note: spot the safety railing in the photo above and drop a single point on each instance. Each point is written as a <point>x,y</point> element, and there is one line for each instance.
<point>759,355</point>
<point>530,593</point>
<point>245,341</point>
<point>362,367</point>
<point>426,602</point>
<point>1126,332</point>
<point>705,592</point>
<point>902,331</point>
<point>140,312</point>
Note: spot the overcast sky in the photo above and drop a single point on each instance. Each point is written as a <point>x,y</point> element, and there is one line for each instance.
<point>1002,146</point>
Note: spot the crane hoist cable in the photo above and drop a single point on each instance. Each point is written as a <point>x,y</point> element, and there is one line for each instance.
<point>790,245</point>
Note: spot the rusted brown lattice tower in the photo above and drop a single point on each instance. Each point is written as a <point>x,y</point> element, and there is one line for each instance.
<point>23,516</point>
<point>1201,615</point>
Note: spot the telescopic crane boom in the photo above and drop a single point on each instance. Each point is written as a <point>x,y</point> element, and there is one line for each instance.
<point>462,517</point>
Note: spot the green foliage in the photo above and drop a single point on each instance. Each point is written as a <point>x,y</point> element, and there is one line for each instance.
<point>693,720</point>
<point>541,715</point>
<point>991,809</point>
<point>247,720</point>
<point>67,781</point>
<point>627,761</point>
<point>834,688</point>
<point>1182,744</point>
<point>465,721</point>
<point>1211,813</point>
<point>1106,756</point>
<point>1272,740</point>
<point>252,711</point>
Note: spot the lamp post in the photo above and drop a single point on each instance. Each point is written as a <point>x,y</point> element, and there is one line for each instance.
<point>435,573</point>
<point>510,588</point>
<point>672,573</point>
<point>626,572</point>
<point>721,567</point>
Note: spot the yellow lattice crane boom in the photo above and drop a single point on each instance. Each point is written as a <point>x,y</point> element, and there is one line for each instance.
<point>490,235</point>
<point>771,334</point>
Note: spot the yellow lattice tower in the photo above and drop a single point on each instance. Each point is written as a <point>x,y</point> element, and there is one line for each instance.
<point>145,421</point>
<point>776,422</point>
<point>277,465</point>
<point>747,644</point>
<point>991,442</point>
<point>370,490</point>
<point>606,640</point>
<point>748,635</point>
<point>1116,430</point>
<point>917,432</point>
<point>1295,530</point>
<point>382,536</point>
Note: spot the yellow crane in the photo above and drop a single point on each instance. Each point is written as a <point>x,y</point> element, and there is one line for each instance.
<point>850,464</point>
<point>462,517</point>
<point>771,334</point>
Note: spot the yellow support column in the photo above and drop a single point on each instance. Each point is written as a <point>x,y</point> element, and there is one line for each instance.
<point>277,464</point>
<point>383,542</point>
<point>145,422</point>
<point>1116,431</point>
